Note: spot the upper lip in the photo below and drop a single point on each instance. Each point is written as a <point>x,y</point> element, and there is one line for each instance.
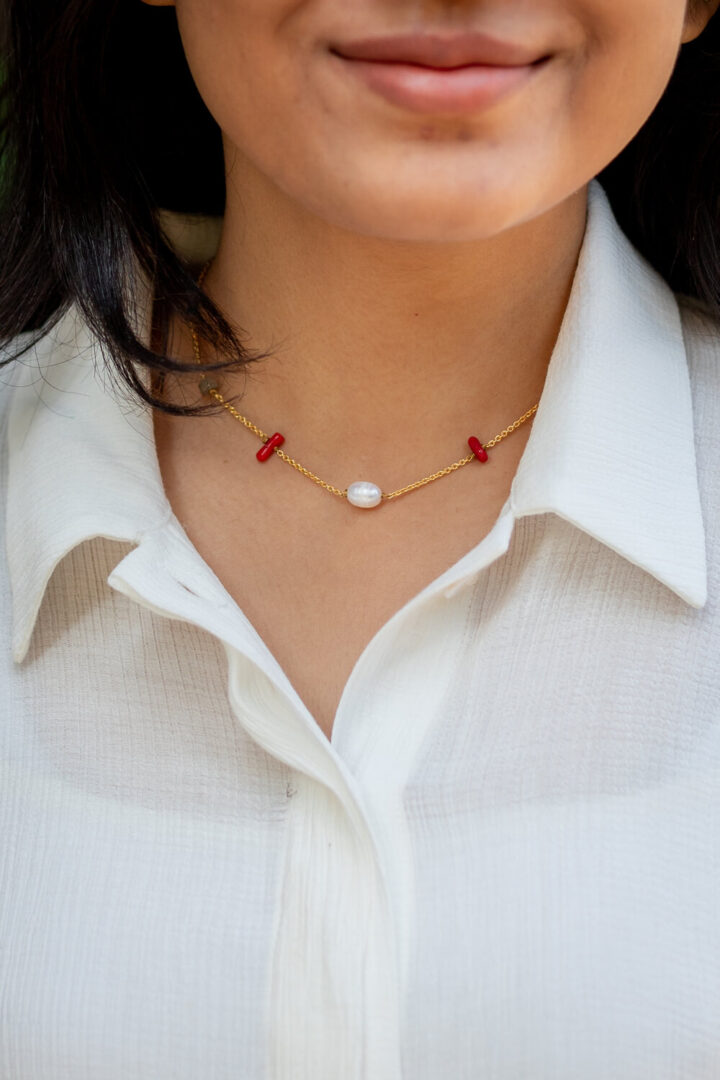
<point>439,51</point>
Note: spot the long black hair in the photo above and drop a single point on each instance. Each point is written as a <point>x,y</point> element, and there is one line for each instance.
<point>101,126</point>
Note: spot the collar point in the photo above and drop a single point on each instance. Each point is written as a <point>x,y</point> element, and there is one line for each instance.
<point>696,596</point>
<point>21,638</point>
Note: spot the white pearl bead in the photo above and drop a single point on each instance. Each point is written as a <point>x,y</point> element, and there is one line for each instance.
<point>364,494</point>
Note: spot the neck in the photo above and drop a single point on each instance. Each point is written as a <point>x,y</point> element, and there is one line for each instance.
<point>371,340</point>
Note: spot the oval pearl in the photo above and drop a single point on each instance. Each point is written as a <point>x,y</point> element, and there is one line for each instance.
<point>364,494</point>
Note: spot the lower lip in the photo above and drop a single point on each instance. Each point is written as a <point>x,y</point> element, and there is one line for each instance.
<point>456,91</point>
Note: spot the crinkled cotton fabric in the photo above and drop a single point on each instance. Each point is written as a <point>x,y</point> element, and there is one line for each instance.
<point>504,864</point>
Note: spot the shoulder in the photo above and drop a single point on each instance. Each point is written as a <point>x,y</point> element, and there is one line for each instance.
<point>701,332</point>
<point>15,355</point>
<point>30,362</point>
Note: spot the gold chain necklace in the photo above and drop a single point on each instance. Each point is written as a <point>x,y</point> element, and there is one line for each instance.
<point>362,493</point>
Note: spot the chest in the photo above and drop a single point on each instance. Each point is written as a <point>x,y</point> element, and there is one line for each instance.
<point>317,577</point>
<point>550,803</point>
<point>565,794</point>
<point>318,595</point>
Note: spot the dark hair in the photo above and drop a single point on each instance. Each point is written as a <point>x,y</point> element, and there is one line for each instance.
<point>102,125</point>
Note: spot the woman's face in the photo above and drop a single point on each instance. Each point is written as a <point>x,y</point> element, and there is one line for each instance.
<point>431,120</point>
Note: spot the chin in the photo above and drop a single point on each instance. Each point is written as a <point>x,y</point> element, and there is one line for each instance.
<point>441,216</point>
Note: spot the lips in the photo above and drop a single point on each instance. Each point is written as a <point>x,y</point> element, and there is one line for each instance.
<point>456,75</point>
<point>440,52</point>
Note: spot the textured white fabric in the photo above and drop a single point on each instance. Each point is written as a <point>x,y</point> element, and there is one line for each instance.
<point>505,865</point>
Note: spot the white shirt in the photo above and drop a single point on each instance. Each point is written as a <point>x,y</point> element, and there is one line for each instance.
<point>505,865</point>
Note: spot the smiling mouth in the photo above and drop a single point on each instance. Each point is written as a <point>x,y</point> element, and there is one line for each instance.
<point>429,73</point>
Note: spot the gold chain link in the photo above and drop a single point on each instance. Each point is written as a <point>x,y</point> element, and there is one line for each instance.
<point>209,387</point>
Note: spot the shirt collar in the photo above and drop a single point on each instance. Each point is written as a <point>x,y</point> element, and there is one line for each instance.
<point>81,461</point>
<point>611,448</point>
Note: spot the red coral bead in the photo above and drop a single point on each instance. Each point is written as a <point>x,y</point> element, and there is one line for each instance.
<point>268,447</point>
<point>477,448</point>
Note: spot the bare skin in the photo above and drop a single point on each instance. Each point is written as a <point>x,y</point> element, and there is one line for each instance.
<point>407,272</point>
<point>317,577</point>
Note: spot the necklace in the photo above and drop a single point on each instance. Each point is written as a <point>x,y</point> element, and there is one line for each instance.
<point>361,493</point>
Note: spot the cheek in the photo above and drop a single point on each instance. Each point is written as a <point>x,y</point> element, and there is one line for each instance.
<point>232,52</point>
<point>615,81</point>
<point>263,76</point>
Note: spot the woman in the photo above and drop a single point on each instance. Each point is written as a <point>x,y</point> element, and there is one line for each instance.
<point>412,780</point>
